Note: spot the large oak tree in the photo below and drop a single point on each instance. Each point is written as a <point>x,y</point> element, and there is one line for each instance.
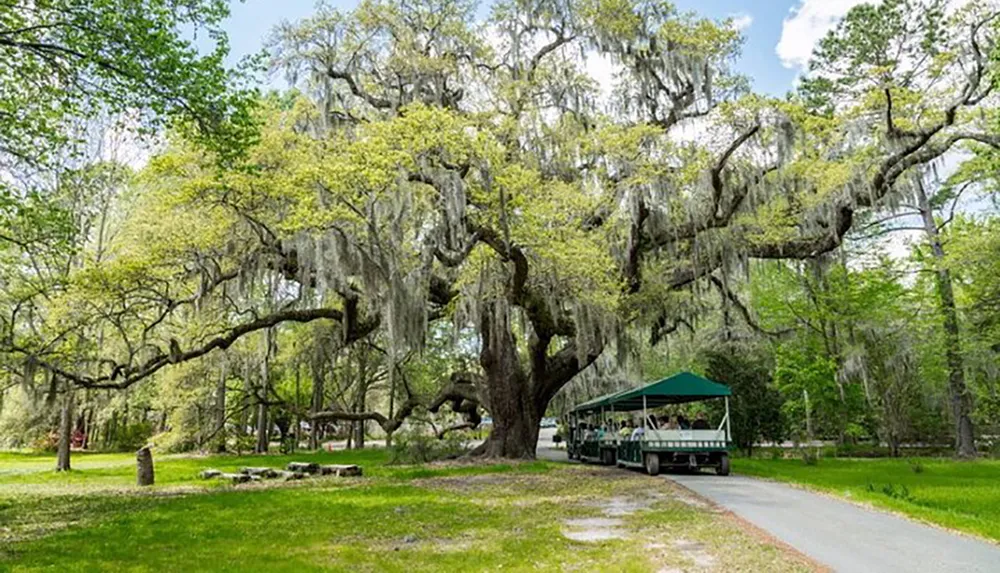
<point>437,168</point>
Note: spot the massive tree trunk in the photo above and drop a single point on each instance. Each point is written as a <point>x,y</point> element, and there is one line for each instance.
<point>961,399</point>
<point>65,429</point>
<point>511,400</point>
<point>518,397</point>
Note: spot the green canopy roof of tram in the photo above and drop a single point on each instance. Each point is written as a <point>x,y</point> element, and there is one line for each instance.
<point>676,389</point>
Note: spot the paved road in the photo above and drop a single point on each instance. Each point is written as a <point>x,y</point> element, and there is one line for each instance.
<point>549,450</point>
<point>841,535</point>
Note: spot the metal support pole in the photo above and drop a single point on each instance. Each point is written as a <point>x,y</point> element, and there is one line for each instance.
<point>611,427</point>
<point>729,436</point>
<point>644,417</point>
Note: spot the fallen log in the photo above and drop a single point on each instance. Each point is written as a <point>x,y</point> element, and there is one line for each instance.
<point>290,476</point>
<point>304,467</point>
<point>235,478</point>
<point>209,474</point>
<point>265,473</point>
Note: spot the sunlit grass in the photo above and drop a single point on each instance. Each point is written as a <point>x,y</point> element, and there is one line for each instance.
<point>955,494</point>
<point>440,517</point>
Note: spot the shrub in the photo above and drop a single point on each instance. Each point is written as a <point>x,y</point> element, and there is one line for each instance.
<point>48,442</point>
<point>810,457</point>
<point>288,445</point>
<point>416,447</point>
<point>26,421</point>
<point>916,466</point>
<point>132,437</point>
<point>244,443</point>
<point>891,490</point>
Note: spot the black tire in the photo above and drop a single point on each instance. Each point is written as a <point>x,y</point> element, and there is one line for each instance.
<point>653,464</point>
<point>723,468</point>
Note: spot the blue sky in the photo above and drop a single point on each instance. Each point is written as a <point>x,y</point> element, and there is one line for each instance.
<point>795,23</point>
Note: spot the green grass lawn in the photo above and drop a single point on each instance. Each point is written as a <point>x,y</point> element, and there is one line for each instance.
<point>395,518</point>
<point>959,495</point>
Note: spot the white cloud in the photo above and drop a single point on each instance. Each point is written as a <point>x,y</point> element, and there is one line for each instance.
<point>741,21</point>
<point>806,24</point>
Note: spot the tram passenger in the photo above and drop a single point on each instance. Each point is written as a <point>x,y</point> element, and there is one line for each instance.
<point>700,423</point>
<point>637,433</point>
<point>683,423</point>
<point>626,430</point>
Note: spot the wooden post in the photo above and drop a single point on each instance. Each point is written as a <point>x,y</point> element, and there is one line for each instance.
<point>144,466</point>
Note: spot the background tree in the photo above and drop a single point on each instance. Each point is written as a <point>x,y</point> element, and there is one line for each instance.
<point>64,60</point>
<point>755,407</point>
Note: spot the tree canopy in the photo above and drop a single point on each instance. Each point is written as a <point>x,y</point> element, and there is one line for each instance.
<point>432,173</point>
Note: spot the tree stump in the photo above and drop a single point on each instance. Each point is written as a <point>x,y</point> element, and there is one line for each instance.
<point>144,466</point>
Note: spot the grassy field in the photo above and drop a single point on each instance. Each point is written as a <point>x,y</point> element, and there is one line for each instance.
<point>396,518</point>
<point>959,495</point>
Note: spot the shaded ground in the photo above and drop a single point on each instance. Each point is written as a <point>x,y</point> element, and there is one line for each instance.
<point>432,518</point>
<point>842,535</point>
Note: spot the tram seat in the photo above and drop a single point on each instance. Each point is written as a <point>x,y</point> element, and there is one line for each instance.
<point>684,435</point>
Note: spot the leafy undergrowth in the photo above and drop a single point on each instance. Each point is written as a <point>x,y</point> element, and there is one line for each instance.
<point>956,494</point>
<point>432,518</point>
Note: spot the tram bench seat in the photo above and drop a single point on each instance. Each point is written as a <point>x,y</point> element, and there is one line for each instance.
<point>684,435</point>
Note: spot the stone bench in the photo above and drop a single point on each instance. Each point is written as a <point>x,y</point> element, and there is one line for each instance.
<point>340,470</point>
<point>293,471</point>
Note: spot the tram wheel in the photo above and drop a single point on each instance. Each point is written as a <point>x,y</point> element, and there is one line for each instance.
<point>653,464</point>
<point>723,468</point>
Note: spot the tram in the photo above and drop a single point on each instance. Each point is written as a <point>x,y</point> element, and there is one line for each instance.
<point>602,431</point>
